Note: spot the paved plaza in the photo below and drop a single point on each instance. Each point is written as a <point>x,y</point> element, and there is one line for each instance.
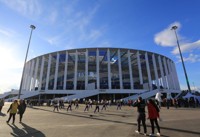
<point>41,121</point>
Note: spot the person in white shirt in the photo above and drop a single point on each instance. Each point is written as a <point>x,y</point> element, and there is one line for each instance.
<point>158,99</point>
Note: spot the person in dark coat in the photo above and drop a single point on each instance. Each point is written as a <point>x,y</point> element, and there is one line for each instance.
<point>140,104</point>
<point>21,109</point>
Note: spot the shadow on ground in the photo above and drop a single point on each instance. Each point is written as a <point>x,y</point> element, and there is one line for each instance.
<point>26,131</point>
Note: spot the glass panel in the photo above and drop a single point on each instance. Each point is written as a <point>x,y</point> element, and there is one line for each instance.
<point>114,69</point>
<point>81,70</point>
<point>92,67</point>
<point>165,74</point>
<point>152,73</point>
<point>38,73</point>
<point>159,72</point>
<point>52,70</point>
<point>103,68</point>
<point>125,69</point>
<point>144,71</point>
<point>135,70</point>
<point>32,74</point>
<point>61,69</point>
<point>70,70</point>
<point>44,76</point>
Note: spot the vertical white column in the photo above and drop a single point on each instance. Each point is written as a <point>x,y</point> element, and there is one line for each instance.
<point>173,75</point>
<point>56,71</point>
<point>167,74</point>
<point>139,67</point>
<point>162,73</point>
<point>31,75</point>
<point>120,69</point>
<point>48,72</point>
<point>155,71</point>
<point>86,69</point>
<point>177,81</point>
<point>41,73</point>
<point>26,76</point>
<point>109,72</point>
<point>75,70</point>
<point>35,74</point>
<point>97,68</point>
<point>65,71</point>
<point>130,70</point>
<point>148,71</point>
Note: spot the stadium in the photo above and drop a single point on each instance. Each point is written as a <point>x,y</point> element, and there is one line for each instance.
<point>99,73</point>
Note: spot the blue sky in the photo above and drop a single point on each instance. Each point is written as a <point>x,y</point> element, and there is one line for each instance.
<point>68,24</point>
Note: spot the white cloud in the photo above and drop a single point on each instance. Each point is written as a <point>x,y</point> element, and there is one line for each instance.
<point>186,47</point>
<point>166,37</point>
<point>24,7</point>
<point>52,17</point>
<point>191,58</point>
<point>77,27</point>
<point>7,32</point>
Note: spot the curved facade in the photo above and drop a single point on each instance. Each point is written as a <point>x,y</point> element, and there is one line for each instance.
<point>100,69</point>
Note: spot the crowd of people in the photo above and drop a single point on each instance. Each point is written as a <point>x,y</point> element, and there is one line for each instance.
<point>153,106</point>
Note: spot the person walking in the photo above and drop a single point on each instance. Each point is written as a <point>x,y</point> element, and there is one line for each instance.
<point>104,105</point>
<point>140,104</point>
<point>97,106</point>
<point>1,104</point>
<point>69,106</point>
<point>13,110</point>
<point>119,104</point>
<point>21,109</point>
<point>55,105</point>
<point>153,115</point>
<point>76,104</point>
<point>86,106</point>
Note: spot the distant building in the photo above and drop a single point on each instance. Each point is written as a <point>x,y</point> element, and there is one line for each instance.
<point>110,73</point>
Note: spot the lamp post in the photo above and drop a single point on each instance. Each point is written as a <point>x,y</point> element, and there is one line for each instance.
<point>187,81</point>
<point>20,88</point>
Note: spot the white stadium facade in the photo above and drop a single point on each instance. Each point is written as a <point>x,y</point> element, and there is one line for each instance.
<point>99,73</point>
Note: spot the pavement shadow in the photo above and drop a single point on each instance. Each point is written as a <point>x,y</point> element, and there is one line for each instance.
<point>2,114</point>
<point>26,131</point>
<point>95,117</point>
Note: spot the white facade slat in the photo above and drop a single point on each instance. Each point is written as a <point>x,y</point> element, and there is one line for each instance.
<point>109,70</point>
<point>41,73</point>
<point>139,67</point>
<point>148,71</point>
<point>97,69</point>
<point>48,72</point>
<point>35,74</point>
<point>75,70</point>
<point>65,71</point>
<point>56,71</point>
<point>120,69</point>
<point>130,70</point>
<point>86,68</point>
<point>155,71</point>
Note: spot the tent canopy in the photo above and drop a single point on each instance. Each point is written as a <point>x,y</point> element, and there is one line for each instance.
<point>189,95</point>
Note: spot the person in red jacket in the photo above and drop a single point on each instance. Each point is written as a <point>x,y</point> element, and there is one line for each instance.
<point>153,114</point>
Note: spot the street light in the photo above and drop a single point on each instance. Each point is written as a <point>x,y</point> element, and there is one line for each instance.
<point>20,88</point>
<point>187,81</point>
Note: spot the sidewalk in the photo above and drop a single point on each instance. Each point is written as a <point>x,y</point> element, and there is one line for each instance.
<point>43,122</point>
